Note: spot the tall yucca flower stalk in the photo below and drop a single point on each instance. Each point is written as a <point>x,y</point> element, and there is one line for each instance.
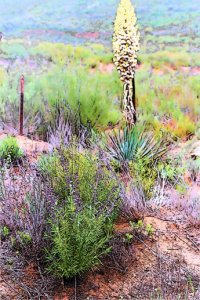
<point>125,48</point>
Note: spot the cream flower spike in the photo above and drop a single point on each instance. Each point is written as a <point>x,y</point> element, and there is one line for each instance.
<point>125,40</point>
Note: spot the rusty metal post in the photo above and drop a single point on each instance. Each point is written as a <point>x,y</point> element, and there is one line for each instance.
<point>21,106</point>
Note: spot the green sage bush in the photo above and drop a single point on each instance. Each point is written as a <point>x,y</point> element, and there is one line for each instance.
<point>88,194</point>
<point>79,240</point>
<point>10,150</point>
<point>83,172</point>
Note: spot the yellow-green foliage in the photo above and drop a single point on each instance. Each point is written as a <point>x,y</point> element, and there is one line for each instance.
<point>145,174</point>
<point>9,150</point>
<point>175,59</point>
<point>125,40</point>
<point>78,88</point>
<point>2,76</point>
<point>88,198</point>
<point>168,95</point>
<point>62,54</point>
<point>72,85</point>
<point>81,170</point>
<point>169,101</point>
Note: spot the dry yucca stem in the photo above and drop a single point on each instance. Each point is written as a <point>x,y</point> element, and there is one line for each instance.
<point>125,48</point>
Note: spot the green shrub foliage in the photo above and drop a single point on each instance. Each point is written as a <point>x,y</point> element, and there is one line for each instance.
<point>79,239</point>
<point>85,174</point>
<point>9,150</point>
<point>88,200</point>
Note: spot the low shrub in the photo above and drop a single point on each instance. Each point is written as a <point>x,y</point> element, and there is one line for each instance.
<point>66,127</point>
<point>24,215</point>
<point>9,150</point>
<point>145,173</point>
<point>137,153</point>
<point>82,172</point>
<point>79,239</point>
<point>149,173</point>
<point>88,194</point>
<point>65,216</point>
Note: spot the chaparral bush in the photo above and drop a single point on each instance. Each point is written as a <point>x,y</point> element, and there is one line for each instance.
<point>10,151</point>
<point>80,171</point>
<point>79,238</point>
<point>88,196</point>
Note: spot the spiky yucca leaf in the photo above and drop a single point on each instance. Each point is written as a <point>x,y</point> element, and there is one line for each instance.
<point>129,144</point>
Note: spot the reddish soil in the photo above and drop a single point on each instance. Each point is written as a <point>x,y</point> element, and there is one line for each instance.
<point>193,71</point>
<point>106,68</point>
<point>87,35</point>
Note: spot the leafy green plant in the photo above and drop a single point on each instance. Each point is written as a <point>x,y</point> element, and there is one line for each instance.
<point>141,228</point>
<point>4,231</point>
<point>88,196</point>
<point>149,173</point>
<point>149,229</point>
<point>9,150</point>
<point>84,173</point>
<point>24,238</point>
<point>137,225</point>
<point>144,171</point>
<point>171,171</point>
<point>79,239</point>
<point>128,237</point>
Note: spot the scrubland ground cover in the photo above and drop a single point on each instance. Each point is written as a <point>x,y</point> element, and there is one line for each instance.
<point>100,210</point>
<point>167,87</point>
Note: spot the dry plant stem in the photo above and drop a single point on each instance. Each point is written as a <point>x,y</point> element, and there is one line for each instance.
<point>192,242</point>
<point>195,248</point>
<point>129,102</point>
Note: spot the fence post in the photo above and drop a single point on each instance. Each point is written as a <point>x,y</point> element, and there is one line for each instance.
<point>21,106</point>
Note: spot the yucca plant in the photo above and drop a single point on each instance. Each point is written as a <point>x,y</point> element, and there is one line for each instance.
<point>125,48</point>
<point>131,144</point>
